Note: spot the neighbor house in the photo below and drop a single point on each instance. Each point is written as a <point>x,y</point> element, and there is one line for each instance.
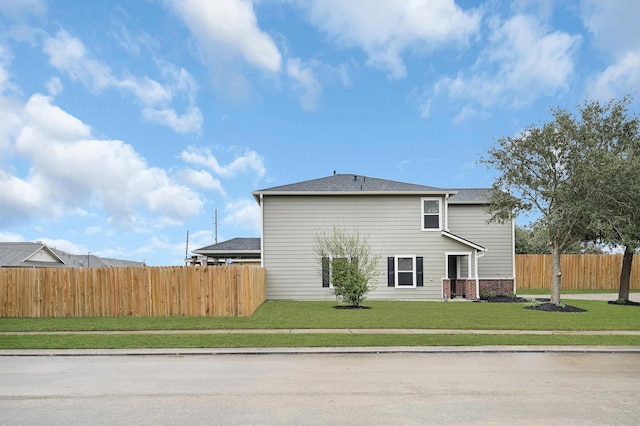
<point>238,251</point>
<point>433,243</point>
<point>39,255</point>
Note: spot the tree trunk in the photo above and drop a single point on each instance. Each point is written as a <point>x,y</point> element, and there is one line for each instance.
<point>625,274</point>
<point>556,279</point>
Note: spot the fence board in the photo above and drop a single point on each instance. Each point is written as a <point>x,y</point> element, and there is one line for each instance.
<point>236,290</point>
<point>579,271</point>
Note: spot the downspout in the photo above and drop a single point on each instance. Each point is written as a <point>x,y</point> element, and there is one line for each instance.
<point>262,230</point>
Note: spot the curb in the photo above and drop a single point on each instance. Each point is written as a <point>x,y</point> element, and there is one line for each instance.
<point>320,350</point>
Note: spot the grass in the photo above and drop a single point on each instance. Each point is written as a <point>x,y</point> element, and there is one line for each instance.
<point>310,315</point>
<point>315,315</point>
<point>68,341</point>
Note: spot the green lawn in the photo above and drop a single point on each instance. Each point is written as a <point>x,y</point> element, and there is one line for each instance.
<point>309,315</point>
<point>315,315</point>
<point>67,341</point>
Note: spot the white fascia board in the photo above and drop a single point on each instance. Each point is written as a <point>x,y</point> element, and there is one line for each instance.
<point>463,241</point>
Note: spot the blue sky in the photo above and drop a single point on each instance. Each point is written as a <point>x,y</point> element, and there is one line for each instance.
<point>126,124</point>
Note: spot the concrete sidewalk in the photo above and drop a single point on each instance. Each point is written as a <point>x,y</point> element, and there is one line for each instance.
<point>319,350</point>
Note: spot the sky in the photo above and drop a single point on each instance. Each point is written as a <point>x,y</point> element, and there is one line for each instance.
<point>126,124</point>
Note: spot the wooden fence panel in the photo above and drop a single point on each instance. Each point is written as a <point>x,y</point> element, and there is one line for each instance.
<point>579,271</point>
<point>112,292</point>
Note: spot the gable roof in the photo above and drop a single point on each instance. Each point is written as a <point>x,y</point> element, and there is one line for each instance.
<point>22,254</point>
<point>234,246</point>
<point>350,184</point>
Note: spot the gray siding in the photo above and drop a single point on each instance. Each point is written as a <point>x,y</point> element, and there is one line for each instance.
<point>470,222</point>
<point>392,224</point>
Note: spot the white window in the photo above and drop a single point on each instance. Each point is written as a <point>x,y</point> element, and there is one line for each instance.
<point>405,271</point>
<point>431,214</point>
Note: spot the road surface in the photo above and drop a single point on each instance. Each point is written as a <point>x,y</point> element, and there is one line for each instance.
<point>390,388</point>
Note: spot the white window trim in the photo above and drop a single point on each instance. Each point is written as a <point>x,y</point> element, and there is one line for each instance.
<point>396,271</point>
<point>440,213</point>
<point>470,270</point>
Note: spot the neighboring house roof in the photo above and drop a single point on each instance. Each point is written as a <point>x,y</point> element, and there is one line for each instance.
<point>236,247</point>
<point>351,184</point>
<point>38,254</point>
<point>28,254</point>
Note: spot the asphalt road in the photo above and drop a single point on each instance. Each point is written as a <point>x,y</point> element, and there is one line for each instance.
<point>390,388</point>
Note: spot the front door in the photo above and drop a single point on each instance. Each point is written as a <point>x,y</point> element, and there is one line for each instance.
<point>452,273</point>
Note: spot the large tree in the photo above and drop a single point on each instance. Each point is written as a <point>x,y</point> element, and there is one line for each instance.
<point>611,184</point>
<point>581,175</point>
<point>537,170</point>
<point>532,239</point>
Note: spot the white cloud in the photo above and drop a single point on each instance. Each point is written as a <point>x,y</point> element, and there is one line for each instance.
<point>69,55</point>
<point>614,26</point>
<point>249,162</point>
<point>306,83</point>
<point>65,245</point>
<point>54,86</point>
<point>617,79</point>
<point>188,122</point>
<point>20,9</point>
<point>385,29</point>
<point>201,179</point>
<point>10,237</point>
<point>244,213</point>
<point>522,62</point>
<point>105,174</point>
<point>226,29</point>
<point>92,230</point>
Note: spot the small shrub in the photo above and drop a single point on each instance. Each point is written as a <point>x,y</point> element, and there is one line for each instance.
<point>487,294</point>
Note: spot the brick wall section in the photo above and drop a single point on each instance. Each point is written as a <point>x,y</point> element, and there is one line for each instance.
<point>467,288</point>
<point>496,287</point>
<point>463,288</point>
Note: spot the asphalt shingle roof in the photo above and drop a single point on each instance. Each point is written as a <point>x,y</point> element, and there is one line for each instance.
<point>233,245</point>
<point>470,196</point>
<point>352,183</point>
<point>15,254</point>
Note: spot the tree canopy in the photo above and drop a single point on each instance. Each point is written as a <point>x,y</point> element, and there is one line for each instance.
<point>579,173</point>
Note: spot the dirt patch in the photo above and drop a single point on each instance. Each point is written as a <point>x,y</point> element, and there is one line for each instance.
<point>623,303</point>
<point>511,299</point>
<point>351,307</point>
<point>552,307</point>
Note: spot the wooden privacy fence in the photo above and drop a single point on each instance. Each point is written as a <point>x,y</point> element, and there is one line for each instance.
<point>579,271</point>
<point>118,292</point>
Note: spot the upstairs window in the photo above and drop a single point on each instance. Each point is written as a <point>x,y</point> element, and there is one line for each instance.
<point>431,214</point>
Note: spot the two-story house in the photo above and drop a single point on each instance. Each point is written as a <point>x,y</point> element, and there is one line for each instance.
<point>433,243</point>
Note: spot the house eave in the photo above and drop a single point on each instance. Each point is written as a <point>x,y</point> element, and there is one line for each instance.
<point>257,194</point>
<point>463,241</point>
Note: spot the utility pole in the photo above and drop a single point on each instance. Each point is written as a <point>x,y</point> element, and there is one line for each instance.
<point>186,251</point>
<point>215,225</point>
